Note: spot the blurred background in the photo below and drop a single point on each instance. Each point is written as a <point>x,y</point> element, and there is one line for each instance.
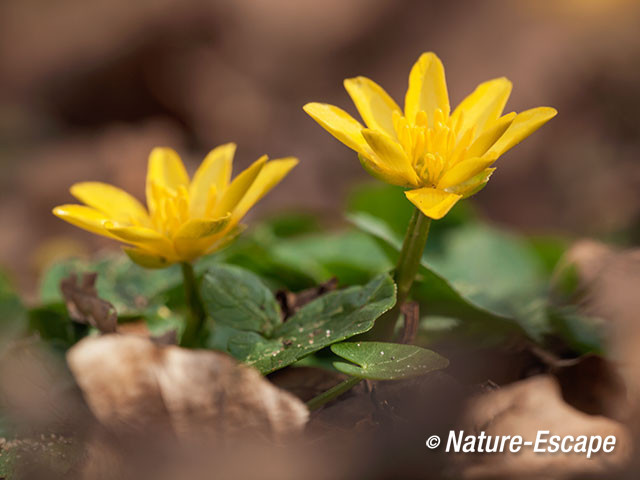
<point>88,88</point>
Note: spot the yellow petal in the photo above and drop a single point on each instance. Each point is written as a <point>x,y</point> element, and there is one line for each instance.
<point>490,135</point>
<point>215,170</point>
<point>134,234</point>
<point>270,175</point>
<point>112,201</point>
<point>463,171</point>
<point>522,126</point>
<point>390,156</point>
<point>483,106</point>
<point>373,103</point>
<point>195,236</point>
<point>427,88</point>
<point>432,202</point>
<point>87,218</point>
<point>474,184</point>
<point>147,259</point>
<point>339,124</point>
<point>141,236</point>
<point>239,186</point>
<point>381,172</point>
<point>199,228</point>
<point>166,170</point>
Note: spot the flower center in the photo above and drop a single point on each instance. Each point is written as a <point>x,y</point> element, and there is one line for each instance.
<point>432,149</point>
<point>172,209</point>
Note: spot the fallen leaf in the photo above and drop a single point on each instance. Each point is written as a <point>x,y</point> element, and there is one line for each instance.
<point>134,385</point>
<point>609,281</point>
<point>524,408</point>
<point>84,305</point>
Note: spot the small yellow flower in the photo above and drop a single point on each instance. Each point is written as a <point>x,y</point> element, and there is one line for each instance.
<point>185,218</point>
<point>440,157</point>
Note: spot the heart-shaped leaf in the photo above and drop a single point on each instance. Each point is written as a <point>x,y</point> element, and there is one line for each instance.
<point>386,361</point>
<point>330,318</point>
<point>237,298</point>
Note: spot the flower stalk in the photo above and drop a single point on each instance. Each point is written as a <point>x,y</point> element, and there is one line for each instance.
<point>197,315</point>
<point>411,253</point>
<point>405,273</point>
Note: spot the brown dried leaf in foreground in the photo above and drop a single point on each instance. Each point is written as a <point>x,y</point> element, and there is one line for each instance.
<point>609,279</point>
<point>524,408</point>
<point>133,385</point>
<point>84,305</point>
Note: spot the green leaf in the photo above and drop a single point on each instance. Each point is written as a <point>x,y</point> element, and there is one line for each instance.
<point>130,288</point>
<point>351,256</point>
<point>491,269</point>
<point>237,298</point>
<point>54,325</point>
<point>384,202</point>
<point>328,319</point>
<point>549,250</point>
<point>475,271</point>
<point>297,258</point>
<point>386,361</point>
<point>582,333</point>
<point>162,319</point>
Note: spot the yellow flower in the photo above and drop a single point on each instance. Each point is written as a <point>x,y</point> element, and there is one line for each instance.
<point>440,157</point>
<point>185,218</point>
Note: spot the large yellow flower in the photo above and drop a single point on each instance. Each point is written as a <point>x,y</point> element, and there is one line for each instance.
<point>440,157</point>
<point>185,218</point>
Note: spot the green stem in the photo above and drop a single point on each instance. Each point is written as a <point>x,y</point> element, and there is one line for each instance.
<point>405,273</point>
<point>411,254</point>
<point>335,392</point>
<point>197,315</point>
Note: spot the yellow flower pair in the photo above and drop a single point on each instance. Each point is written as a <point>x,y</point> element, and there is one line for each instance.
<point>185,218</point>
<point>439,156</point>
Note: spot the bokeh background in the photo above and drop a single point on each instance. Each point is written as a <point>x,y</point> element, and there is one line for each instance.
<point>88,88</point>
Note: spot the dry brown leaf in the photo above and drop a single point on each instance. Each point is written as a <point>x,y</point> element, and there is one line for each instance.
<point>291,302</point>
<point>524,408</point>
<point>610,281</point>
<point>134,385</point>
<point>84,305</point>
